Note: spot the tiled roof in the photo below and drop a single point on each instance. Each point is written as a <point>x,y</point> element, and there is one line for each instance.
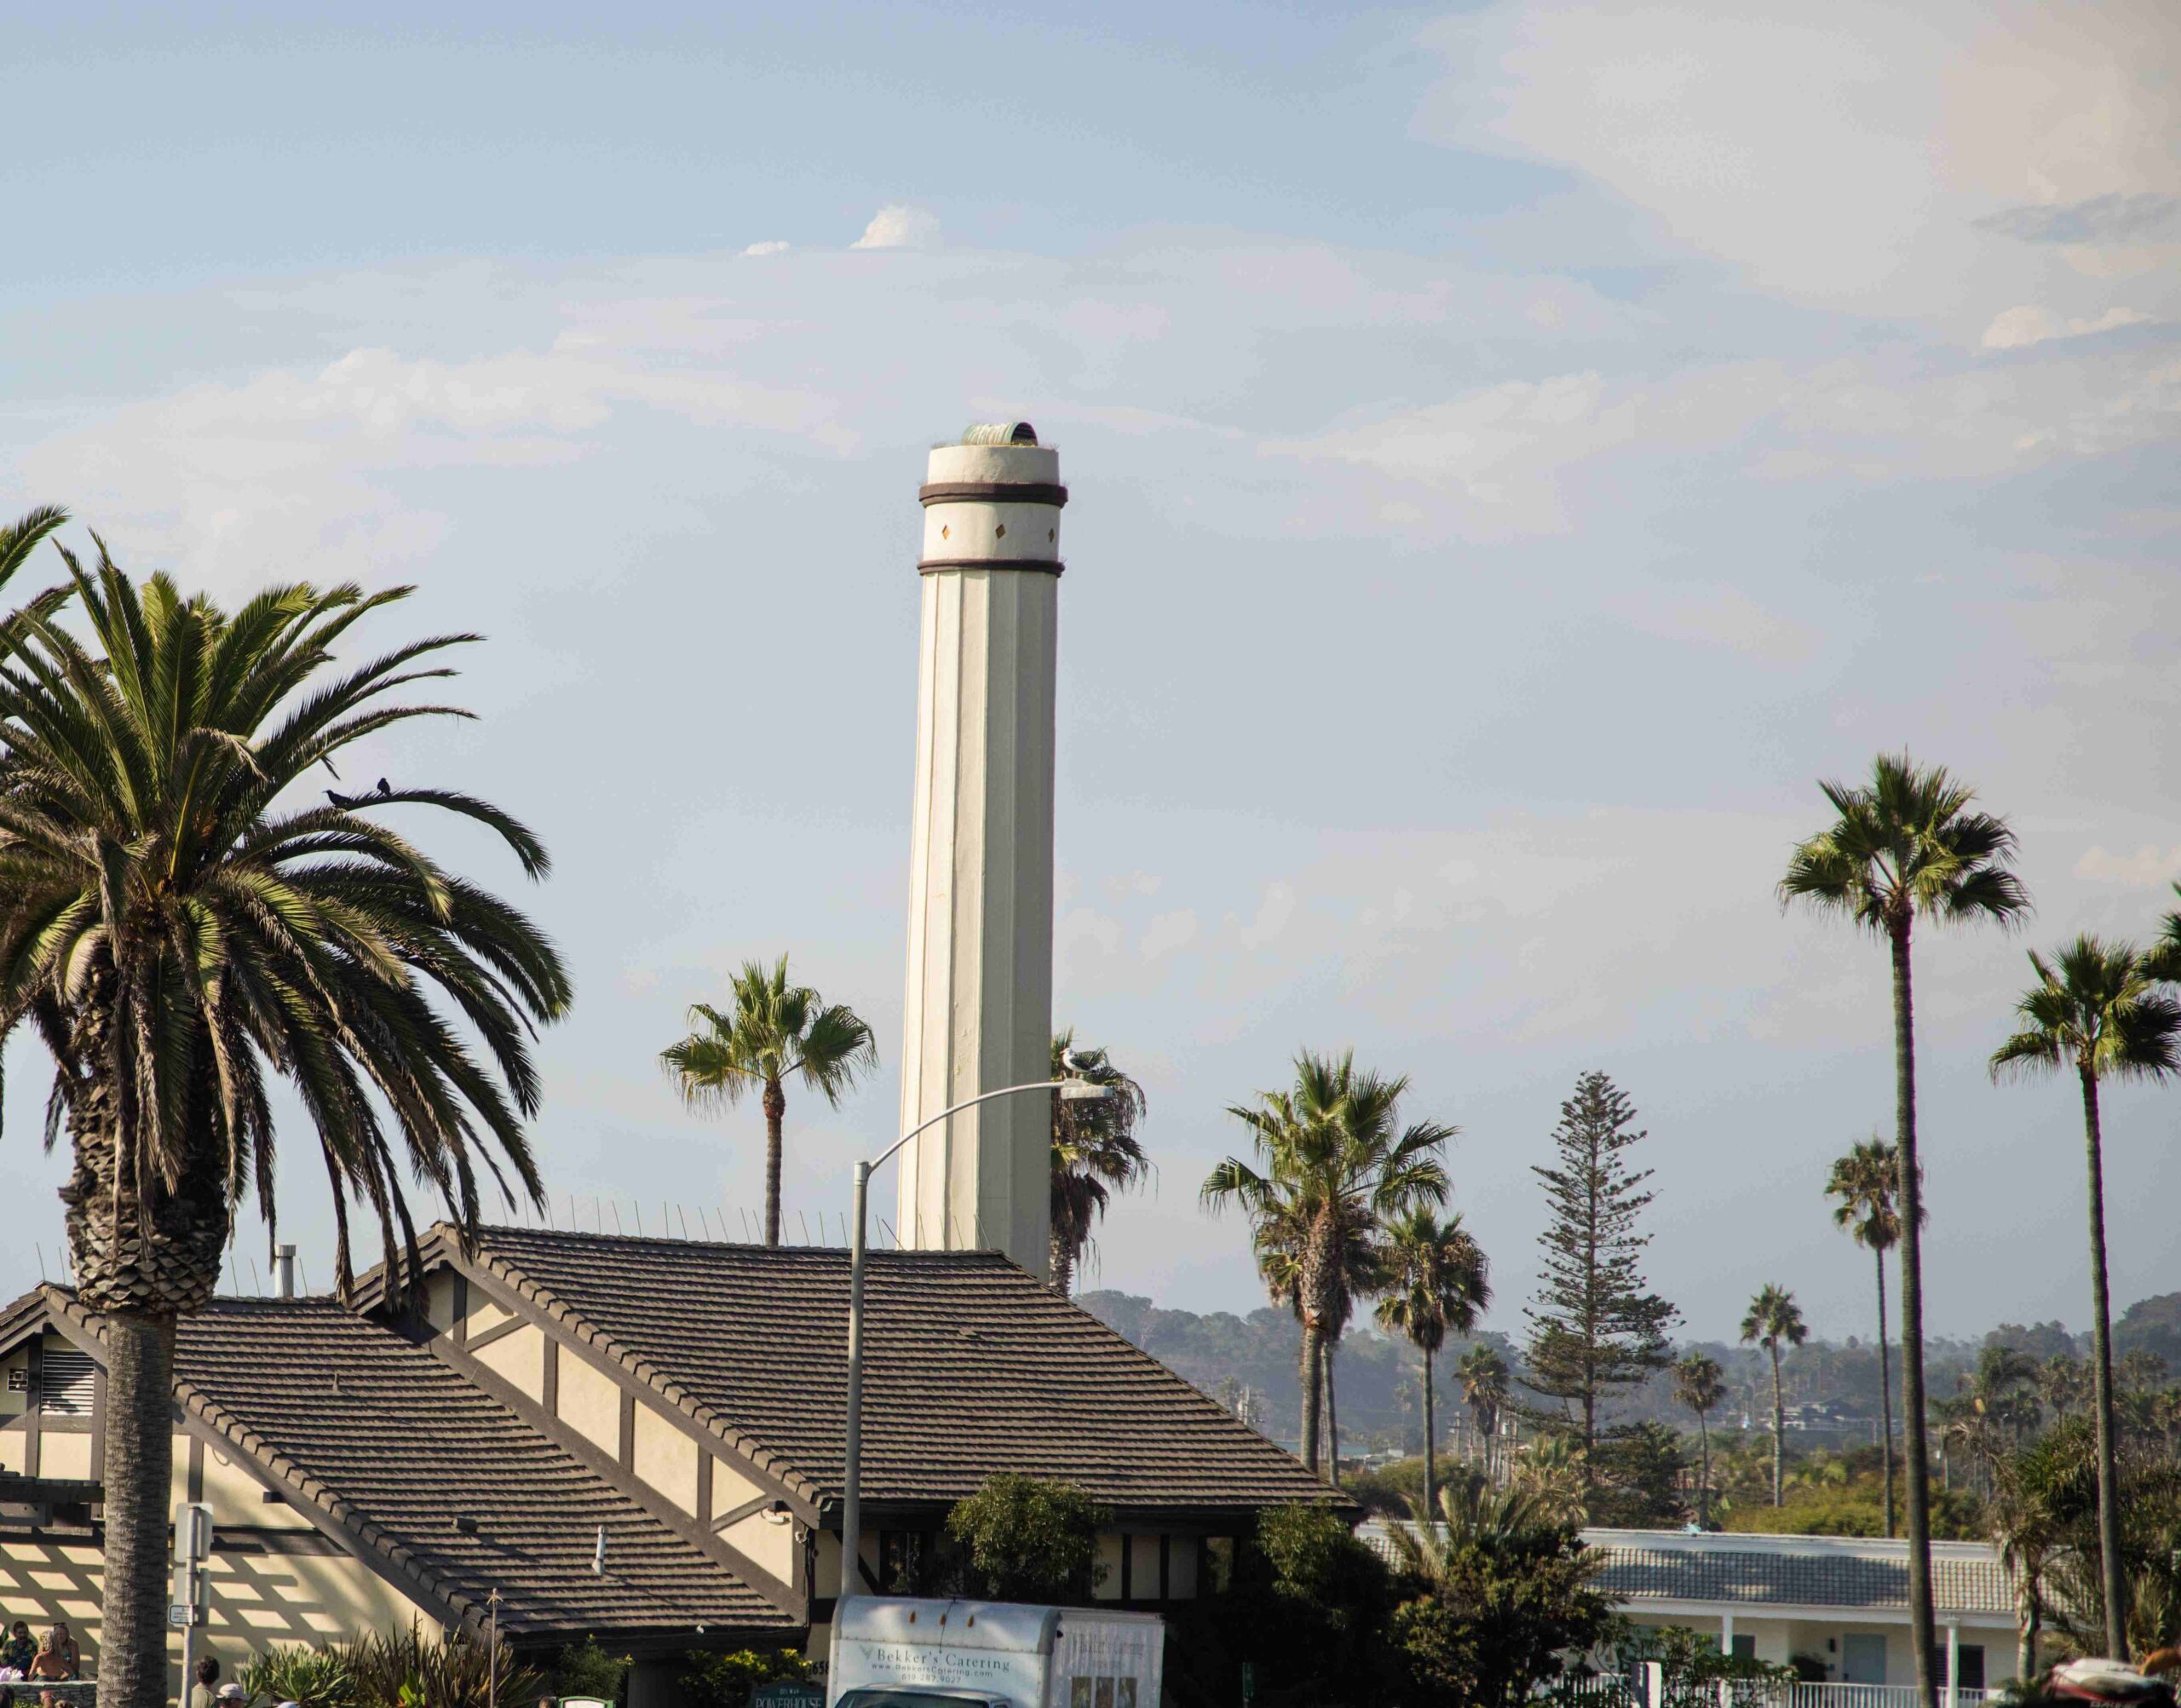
<point>1831,1572</point>
<point>378,1435</point>
<point>971,1366</point>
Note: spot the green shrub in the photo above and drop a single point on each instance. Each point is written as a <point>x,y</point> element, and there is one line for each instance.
<point>409,1670</point>
<point>315,1677</point>
<point>726,1680</point>
<point>586,1669</point>
<point>1025,1540</point>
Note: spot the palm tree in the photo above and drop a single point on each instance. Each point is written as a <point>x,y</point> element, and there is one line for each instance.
<point>1334,1168</point>
<point>2097,1008</point>
<point>1485,1391</point>
<point>1904,846</point>
<point>2060,1384</point>
<point>777,1031</point>
<point>1776,1320</point>
<point>1864,1185</point>
<point>1554,1472</point>
<point>1698,1385</point>
<point>1094,1153</point>
<point>179,930</point>
<point>1437,1279</point>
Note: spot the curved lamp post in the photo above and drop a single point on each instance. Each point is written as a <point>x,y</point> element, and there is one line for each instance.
<point>1071,1091</point>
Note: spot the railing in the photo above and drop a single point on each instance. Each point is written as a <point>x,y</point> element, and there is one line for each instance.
<point>1617,1693</point>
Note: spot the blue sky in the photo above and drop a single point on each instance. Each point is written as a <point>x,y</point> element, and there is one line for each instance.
<point>1515,450</point>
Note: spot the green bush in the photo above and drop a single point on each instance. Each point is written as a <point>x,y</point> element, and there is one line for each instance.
<point>586,1669</point>
<point>1025,1540</point>
<point>726,1680</point>
<point>314,1678</point>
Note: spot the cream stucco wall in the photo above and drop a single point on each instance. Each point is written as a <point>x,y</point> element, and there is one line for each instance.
<point>237,1498</point>
<point>590,1403</point>
<point>730,1487</point>
<point>67,1456</point>
<point>665,1458</point>
<point>519,1358</point>
<point>767,1541</point>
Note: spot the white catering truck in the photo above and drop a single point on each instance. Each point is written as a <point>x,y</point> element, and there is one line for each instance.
<point>893,1652</point>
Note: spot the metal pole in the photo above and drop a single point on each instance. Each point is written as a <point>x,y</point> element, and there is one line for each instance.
<point>852,1479</point>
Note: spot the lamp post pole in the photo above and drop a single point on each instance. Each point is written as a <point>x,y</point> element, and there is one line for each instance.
<point>1071,1091</point>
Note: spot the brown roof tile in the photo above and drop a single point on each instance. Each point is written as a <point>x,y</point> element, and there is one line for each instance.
<point>377,1435</point>
<point>971,1367</point>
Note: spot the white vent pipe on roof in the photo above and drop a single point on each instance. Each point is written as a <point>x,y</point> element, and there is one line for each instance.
<point>283,1264</point>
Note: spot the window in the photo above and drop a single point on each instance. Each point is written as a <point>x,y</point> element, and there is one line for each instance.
<point>1969,1666</point>
<point>66,1382</point>
<point>1745,1646</point>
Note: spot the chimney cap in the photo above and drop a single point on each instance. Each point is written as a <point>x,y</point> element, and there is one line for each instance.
<point>1000,433</point>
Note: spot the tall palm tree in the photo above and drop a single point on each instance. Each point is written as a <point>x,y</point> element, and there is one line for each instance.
<point>1774,1320</point>
<point>774,1032</point>
<point>179,928</point>
<point>1094,1153</point>
<point>1698,1385</point>
<point>1333,1165</point>
<point>1485,1391</point>
<point>2097,1008</point>
<point>1437,1281</point>
<point>1864,1186</point>
<point>1908,845</point>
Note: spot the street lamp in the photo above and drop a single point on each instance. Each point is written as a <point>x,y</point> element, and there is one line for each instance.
<point>1071,1091</point>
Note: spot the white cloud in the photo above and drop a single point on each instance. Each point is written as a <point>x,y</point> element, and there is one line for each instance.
<point>899,226</point>
<point>770,246</point>
<point>1725,617</point>
<point>2147,867</point>
<point>1166,934</point>
<point>1274,913</point>
<point>2015,329</point>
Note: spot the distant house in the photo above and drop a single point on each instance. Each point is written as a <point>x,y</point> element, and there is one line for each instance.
<point>1840,1601</point>
<point>635,1439</point>
<point>1835,1603</point>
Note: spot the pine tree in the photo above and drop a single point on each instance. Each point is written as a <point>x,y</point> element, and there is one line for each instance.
<point>1595,1330</point>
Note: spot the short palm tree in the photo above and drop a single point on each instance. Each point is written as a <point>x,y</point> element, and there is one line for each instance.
<point>1437,1281</point>
<point>1094,1153</point>
<point>1485,1390</point>
<point>1775,1320</point>
<point>1333,1166</point>
<point>180,926</point>
<point>1908,845</point>
<point>2097,1008</point>
<point>1698,1385</point>
<point>1865,1189</point>
<point>773,1031</point>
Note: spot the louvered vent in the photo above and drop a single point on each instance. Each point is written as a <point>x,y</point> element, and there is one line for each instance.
<point>66,1382</point>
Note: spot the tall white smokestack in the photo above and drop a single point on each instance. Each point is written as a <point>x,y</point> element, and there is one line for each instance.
<point>981,870</point>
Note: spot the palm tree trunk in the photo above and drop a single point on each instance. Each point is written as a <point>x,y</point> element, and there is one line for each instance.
<point>138,1472</point>
<point>1884,1394</point>
<point>1779,1425</point>
<point>2108,1511</point>
<point>1704,1489</point>
<point>1911,1195</point>
<point>1332,1413</point>
<point>775,1109</point>
<point>1430,1460</point>
<point>1313,1384</point>
<point>1061,1251</point>
<point>2032,1624</point>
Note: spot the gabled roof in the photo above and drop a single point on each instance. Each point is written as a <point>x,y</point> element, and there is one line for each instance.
<point>971,1367</point>
<point>385,1446</point>
<point>1749,1570</point>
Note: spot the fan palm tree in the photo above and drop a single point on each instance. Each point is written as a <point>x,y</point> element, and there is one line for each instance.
<point>1908,845</point>
<point>774,1032</point>
<point>2097,1008</point>
<point>1554,1472</point>
<point>2023,1517</point>
<point>1094,1153</point>
<point>179,930</point>
<point>1774,1320</point>
<point>1864,1186</point>
<point>1333,1165</point>
<point>1437,1280</point>
<point>1485,1391</point>
<point>1698,1385</point>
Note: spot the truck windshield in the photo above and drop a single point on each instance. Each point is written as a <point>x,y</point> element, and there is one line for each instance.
<point>920,1698</point>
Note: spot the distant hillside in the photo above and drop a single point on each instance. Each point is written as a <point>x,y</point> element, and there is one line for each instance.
<point>1223,1354</point>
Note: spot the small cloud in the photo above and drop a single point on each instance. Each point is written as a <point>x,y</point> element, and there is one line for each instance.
<point>772,245</point>
<point>1274,913</point>
<point>1725,618</point>
<point>2017,329</point>
<point>2145,868</point>
<point>1167,933</point>
<point>899,226</point>
<point>2118,218</point>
